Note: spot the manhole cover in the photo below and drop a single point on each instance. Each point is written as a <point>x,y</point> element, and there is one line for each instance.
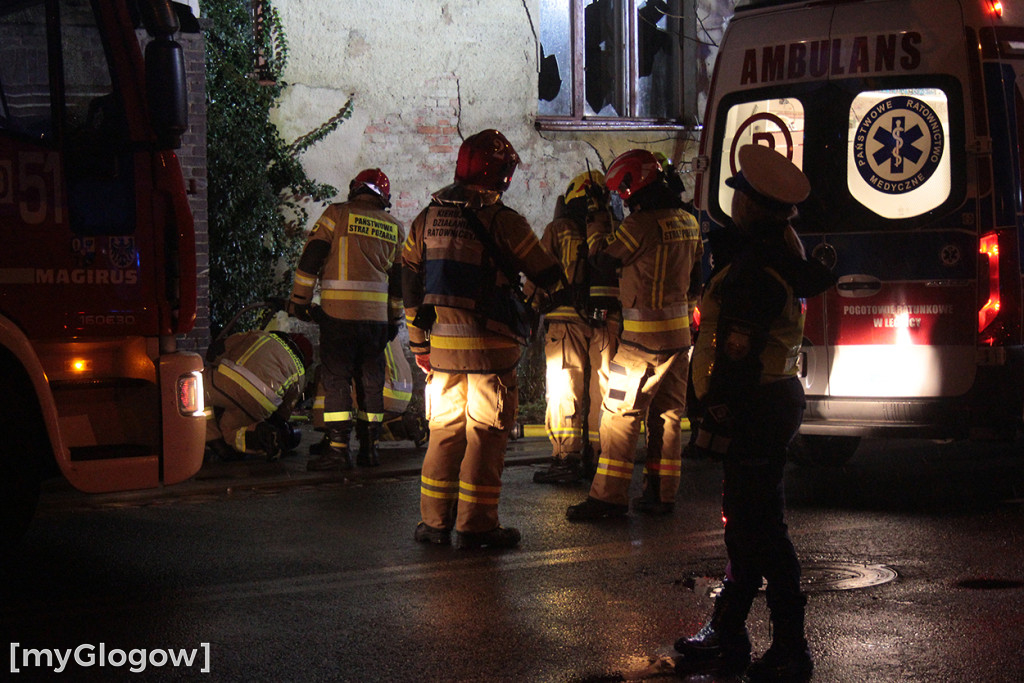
<point>820,577</point>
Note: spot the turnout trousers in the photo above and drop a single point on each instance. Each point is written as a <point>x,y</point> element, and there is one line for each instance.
<point>642,385</point>
<point>578,357</point>
<point>470,416</point>
<point>352,353</point>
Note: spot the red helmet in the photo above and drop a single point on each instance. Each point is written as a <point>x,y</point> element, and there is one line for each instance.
<point>632,171</point>
<point>488,160</point>
<point>374,180</point>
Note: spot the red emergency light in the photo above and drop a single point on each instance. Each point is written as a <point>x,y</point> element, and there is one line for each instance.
<point>989,247</point>
<point>995,8</point>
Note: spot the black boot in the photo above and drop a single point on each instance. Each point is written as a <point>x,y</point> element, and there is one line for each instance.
<point>650,503</point>
<point>368,434</point>
<point>722,644</point>
<point>565,470</point>
<point>788,660</point>
<point>336,455</point>
<point>593,509</point>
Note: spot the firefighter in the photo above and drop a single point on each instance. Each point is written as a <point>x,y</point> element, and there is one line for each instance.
<point>352,252</point>
<point>745,378</point>
<point>252,387</point>
<point>657,248</point>
<point>580,334</point>
<point>461,269</point>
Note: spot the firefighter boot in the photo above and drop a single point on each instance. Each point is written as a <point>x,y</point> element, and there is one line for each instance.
<point>722,644</point>
<point>336,455</point>
<point>788,660</point>
<point>368,434</point>
<point>565,470</point>
<point>650,503</point>
<point>593,510</point>
<point>498,537</point>
<point>269,438</point>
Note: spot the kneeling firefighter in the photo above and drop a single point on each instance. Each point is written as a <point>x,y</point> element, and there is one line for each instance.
<point>252,387</point>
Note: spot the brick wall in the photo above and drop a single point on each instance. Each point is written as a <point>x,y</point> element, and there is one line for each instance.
<point>192,156</point>
<point>430,146</point>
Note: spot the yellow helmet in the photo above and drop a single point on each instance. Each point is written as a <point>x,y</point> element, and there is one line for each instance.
<point>584,184</point>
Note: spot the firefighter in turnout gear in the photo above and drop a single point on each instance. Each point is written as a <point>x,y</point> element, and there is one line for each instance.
<point>657,248</point>
<point>581,331</point>
<point>752,401</point>
<point>252,387</point>
<point>353,254</point>
<point>461,269</point>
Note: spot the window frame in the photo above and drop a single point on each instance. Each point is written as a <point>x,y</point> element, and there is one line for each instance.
<point>578,120</point>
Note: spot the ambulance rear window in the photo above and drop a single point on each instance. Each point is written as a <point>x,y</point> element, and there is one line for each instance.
<point>775,123</point>
<point>898,156</point>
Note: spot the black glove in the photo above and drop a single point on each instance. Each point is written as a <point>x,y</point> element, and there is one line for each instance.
<point>277,303</point>
<point>300,311</point>
<point>392,330</point>
<point>715,432</point>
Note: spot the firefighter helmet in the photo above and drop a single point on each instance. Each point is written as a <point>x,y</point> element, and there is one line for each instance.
<point>374,180</point>
<point>299,344</point>
<point>632,171</point>
<point>487,160</point>
<point>588,187</point>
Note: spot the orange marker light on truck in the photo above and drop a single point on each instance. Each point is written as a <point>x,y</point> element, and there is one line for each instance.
<point>190,394</point>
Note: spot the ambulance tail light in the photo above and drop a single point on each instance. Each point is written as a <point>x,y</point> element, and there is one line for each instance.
<point>988,286</point>
<point>995,7</point>
<point>190,394</point>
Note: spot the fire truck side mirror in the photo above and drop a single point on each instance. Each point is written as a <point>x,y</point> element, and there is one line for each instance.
<point>166,91</point>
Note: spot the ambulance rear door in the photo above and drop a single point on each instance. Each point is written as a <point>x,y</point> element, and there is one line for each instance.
<point>868,98</point>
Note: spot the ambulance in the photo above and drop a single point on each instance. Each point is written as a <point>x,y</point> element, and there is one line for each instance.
<point>908,117</point>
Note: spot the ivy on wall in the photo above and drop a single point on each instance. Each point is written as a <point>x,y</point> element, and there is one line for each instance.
<point>257,186</point>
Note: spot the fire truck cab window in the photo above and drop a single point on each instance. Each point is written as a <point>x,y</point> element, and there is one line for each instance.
<point>24,80</point>
<point>99,159</point>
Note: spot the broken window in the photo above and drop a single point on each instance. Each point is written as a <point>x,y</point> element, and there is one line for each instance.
<point>616,63</point>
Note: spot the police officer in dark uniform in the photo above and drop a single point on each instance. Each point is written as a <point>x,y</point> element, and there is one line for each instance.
<point>752,403</point>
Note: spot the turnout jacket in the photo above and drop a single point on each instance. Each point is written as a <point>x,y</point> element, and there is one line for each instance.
<point>569,242</point>
<point>353,250</point>
<point>260,373</point>
<point>447,272</point>
<point>659,253</point>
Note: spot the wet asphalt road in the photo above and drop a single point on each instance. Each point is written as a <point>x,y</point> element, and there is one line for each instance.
<point>323,581</point>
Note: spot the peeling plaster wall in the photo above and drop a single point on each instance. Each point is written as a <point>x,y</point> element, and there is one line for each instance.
<point>424,75</point>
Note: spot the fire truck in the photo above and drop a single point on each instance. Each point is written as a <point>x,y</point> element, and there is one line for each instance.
<point>908,118</point>
<point>97,252</point>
